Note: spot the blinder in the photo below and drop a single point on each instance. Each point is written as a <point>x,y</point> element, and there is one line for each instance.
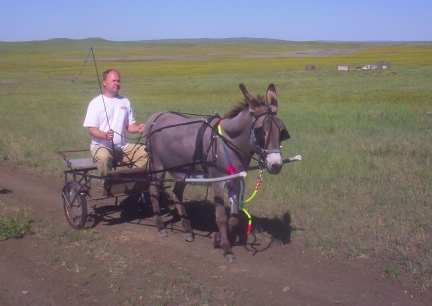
<point>259,134</point>
<point>284,135</point>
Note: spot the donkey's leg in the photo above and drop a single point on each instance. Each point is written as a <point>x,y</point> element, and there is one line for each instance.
<point>155,192</point>
<point>233,223</point>
<point>221,221</point>
<point>178,201</point>
<point>234,215</point>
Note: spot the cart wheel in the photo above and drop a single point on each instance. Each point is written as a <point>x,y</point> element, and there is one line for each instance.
<point>75,205</point>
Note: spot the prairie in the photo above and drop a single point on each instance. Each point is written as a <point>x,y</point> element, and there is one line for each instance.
<point>363,188</point>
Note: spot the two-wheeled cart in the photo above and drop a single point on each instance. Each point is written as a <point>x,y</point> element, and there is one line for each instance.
<point>82,184</point>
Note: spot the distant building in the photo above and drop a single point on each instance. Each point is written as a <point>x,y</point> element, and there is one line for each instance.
<point>384,65</point>
<point>370,67</point>
<point>343,68</point>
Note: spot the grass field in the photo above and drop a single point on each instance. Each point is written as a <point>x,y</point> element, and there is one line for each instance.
<point>363,188</point>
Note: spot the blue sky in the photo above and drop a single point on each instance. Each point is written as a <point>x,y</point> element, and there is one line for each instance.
<point>302,20</point>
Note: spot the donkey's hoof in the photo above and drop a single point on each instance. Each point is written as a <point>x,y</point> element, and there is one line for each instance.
<point>163,233</point>
<point>230,257</point>
<point>189,237</point>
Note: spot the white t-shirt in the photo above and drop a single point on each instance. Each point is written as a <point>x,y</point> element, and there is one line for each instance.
<point>116,114</point>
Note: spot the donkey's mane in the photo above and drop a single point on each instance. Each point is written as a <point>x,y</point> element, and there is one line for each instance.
<point>241,106</point>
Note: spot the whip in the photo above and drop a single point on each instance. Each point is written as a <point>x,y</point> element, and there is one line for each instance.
<point>100,88</point>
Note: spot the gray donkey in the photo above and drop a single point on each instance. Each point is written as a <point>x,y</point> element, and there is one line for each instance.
<point>213,148</point>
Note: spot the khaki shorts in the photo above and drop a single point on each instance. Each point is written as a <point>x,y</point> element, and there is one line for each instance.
<point>134,154</point>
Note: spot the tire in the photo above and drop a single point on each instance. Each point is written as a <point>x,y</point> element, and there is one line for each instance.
<point>75,205</point>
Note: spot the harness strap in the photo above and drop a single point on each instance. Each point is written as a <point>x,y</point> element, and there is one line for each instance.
<point>199,154</point>
<point>230,169</point>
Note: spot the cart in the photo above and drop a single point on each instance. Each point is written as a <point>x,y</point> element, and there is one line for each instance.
<point>82,184</point>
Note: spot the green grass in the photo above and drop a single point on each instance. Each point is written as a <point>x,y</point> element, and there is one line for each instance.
<point>15,224</point>
<point>363,188</point>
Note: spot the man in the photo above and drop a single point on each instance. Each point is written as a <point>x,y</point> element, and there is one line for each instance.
<point>109,116</point>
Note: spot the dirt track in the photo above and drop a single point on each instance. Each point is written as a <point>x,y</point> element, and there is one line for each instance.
<point>125,262</point>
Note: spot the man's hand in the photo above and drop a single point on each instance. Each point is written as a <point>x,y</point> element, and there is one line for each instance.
<point>141,128</point>
<point>109,135</point>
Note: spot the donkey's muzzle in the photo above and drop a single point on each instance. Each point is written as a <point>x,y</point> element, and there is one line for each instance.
<point>274,163</point>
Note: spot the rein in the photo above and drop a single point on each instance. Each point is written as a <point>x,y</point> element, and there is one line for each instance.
<point>207,123</point>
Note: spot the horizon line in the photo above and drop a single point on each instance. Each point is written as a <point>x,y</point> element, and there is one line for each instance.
<point>221,39</point>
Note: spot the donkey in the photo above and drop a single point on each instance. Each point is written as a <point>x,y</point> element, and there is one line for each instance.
<point>197,148</point>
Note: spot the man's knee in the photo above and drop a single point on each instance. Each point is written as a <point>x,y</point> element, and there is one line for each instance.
<point>101,154</point>
<point>136,154</point>
<point>103,158</point>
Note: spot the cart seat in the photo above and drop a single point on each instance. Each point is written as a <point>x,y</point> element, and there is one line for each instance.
<point>87,164</point>
<point>80,163</point>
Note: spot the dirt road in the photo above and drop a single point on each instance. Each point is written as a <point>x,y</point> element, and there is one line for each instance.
<point>122,261</point>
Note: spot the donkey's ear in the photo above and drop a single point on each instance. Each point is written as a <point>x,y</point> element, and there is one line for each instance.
<point>271,98</point>
<point>249,98</point>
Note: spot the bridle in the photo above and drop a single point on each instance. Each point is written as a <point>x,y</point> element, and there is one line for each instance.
<point>258,136</point>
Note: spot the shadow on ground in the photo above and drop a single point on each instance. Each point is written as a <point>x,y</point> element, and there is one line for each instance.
<point>202,217</point>
<point>5,191</point>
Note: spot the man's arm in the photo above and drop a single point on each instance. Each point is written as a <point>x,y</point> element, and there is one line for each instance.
<point>95,132</point>
<point>135,128</point>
